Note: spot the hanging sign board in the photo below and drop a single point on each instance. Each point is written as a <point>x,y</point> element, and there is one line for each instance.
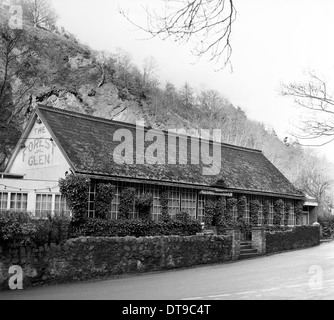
<point>216,193</point>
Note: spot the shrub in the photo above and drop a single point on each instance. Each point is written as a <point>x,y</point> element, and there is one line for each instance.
<point>278,211</point>
<point>105,193</point>
<point>230,205</point>
<point>75,189</point>
<point>183,217</point>
<point>254,212</point>
<point>136,228</point>
<point>127,198</point>
<point>16,227</point>
<point>327,224</point>
<point>22,228</point>
<point>266,212</point>
<point>241,205</point>
<point>209,213</point>
<point>144,204</point>
<point>287,207</point>
<point>295,238</point>
<point>299,211</point>
<point>164,199</point>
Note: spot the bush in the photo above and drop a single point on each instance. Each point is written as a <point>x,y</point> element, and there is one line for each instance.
<point>278,212</point>
<point>75,189</point>
<point>136,228</point>
<point>105,193</point>
<point>144,204</point>
<point>16,227</point>
<point>327,224</point>
<point>22,228</point>
<point>127,198</point>
<point>297,238</point>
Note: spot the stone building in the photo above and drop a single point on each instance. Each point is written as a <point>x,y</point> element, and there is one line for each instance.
<point>57,142</point>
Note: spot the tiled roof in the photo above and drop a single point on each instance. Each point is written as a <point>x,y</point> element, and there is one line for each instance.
<point>88,143</point>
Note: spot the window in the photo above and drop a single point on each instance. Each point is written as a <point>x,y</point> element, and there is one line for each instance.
<point>260,213</point>
<point>188,202</point>
<point>3,201</point>
<point>115,203</point>
<point>201,207</point>
<point>247,213</point>
<point>61,206</point>
<point>91,199</point>
<point>19,201</point>
<point>292,220</point>
<point>173,202</point>
<point>43,205</point>
<point>271,211</point>
<point>156,208</point>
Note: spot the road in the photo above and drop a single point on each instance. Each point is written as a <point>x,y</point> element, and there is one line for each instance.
<point>303,275</point>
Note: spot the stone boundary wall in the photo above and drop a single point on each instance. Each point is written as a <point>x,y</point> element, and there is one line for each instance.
<point>89,258</point>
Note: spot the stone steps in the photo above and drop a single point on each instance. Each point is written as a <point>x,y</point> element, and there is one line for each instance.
<point>247,251</point>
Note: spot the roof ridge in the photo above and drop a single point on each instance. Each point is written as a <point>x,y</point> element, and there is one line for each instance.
<point>100,119</point>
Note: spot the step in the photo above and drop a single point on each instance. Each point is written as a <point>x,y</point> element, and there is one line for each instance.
<point>246,251</point>
<point>244,256</point>
<point>246,247</point>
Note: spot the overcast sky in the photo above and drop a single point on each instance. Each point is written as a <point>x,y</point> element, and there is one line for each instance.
<point>273,42</point>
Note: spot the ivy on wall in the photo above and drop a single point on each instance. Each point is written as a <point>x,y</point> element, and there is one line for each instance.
<point>278,212</point>
<point>230,205</point>
<point>215,214</point>
<point>164,199</point>
<point>144,203</point>
<point>242,206</point>
<point>287,208</point>
<point>299,211</point>
<point>105,193</point>
<point>220,214</point>
<point>127,198</point>
<point>266,212</point>
<point>75,189</point>
<point>254,212</point>
<point>209,213</point>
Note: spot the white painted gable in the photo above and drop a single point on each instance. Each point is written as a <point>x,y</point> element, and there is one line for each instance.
<point>39,158</point>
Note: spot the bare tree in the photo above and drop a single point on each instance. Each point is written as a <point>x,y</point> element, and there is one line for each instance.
<point>39,13</point>
<point>208,23</point>
<point>316,180</point>
<point>317,102</point>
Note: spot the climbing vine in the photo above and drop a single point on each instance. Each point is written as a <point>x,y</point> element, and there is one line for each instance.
<point>105,193</point>
<point>220,214</point>
<point>266,212</point>
<point>242,206</point>
<point>254,212</point>
<point>209,213</point>
<point>127,198</point>
<point>278,212</point>
<point>164,199</point>
<point>144,204</point>
<point>215,214</point>
<point>287,208</point>
<point>75,189</point>
<point>299,211</point>
<point>230,205</point>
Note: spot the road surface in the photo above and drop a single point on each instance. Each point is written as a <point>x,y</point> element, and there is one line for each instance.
<point>303,274</point>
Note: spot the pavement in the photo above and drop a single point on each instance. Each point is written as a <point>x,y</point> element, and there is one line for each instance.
<point>296,275</point>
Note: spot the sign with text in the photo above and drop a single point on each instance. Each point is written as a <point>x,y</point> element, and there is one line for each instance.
<point>39,149</point>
